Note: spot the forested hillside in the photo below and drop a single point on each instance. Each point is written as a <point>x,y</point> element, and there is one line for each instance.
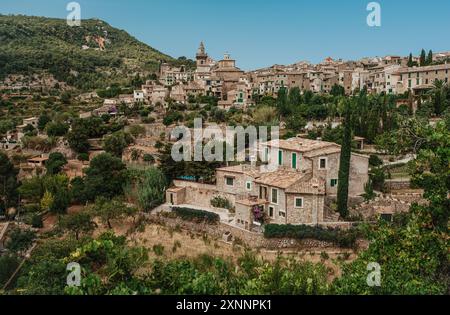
<point>93,55</point>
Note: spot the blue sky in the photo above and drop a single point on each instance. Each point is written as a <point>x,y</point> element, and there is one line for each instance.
<point>260,33</point>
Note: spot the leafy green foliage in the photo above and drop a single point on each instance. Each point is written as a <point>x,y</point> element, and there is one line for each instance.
<point>413,260</point>
<point>104,177</point>
<point>84,129</point>
<point>44,119</point>
<point>109,266</point>
<point>33,44</point>
<point>117,142</point>
<point>8,264</point>
<point>8,183</point>
<point>77,223</point>
<point>55,163</point>
<point>221,202</point>
<point>50,190</point>
<point>151,185</point>
<point>375,161</point>
<point>196,215</point>
<point>20,240</point>
<point>172,117</point>
<point>198,170</point>
<point>413,250</point>
<point>339,237</point>
<point>109,210</point>
<point>36,221</point>
<point>45,272</point>
<point>56,129</point>
<point>377,178</point>
<point>369,194</point>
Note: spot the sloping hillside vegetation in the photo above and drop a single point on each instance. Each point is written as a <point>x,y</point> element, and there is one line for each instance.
<point>93,55</point>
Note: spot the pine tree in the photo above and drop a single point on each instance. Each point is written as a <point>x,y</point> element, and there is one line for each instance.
<point>344,166</point>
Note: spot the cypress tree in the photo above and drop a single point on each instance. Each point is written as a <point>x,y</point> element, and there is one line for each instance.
<point>423,58</point>
<point>282,102</point>
<point>430,58</point>
<point>344,165</point>
<point>410,60</point>
<point>294,97</point>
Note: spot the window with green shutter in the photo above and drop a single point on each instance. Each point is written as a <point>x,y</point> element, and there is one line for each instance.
<point>229,181</point>
<point>274,195</point>
<point>280,157</point>
<point>294,160</point>
<point>299,202</point>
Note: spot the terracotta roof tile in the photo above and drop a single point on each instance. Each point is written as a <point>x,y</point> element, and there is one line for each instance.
<point>303,145</point>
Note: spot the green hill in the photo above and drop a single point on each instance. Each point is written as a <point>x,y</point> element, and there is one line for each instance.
<point>93,55</point>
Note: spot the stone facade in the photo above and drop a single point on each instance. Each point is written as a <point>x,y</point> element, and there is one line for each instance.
<point>293,192</point>
<point>322,159</point>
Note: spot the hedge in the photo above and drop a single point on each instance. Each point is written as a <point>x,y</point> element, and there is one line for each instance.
<point>342,238</point>
<point>196,215</point>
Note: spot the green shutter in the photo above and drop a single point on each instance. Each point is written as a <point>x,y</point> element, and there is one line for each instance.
<point>294,160</point>
<point>280,157</point>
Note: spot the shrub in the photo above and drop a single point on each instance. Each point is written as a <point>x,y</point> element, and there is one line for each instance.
<point>176,245</point>
<point>158,249</point>
<point>172,117</point>
<point>148,158</point>
<point>221,202</point>
<point>375,161</point>
<point>196,215</point>
<point>83,157</point>
<point>8,264</point>
<point>20,240</point>
<point>36,221</point>
<point>56,129</point>
<point>148,120</point>
<point>324,256</point>
<point>369,194</point>
<point>377,177</point>
<point>151,187</point>
<point>339,237</point>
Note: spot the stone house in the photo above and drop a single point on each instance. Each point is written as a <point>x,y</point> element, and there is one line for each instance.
<point>321,158</point>
<point>138,96</point>
<point>159,95</point>
<point>290,189</point>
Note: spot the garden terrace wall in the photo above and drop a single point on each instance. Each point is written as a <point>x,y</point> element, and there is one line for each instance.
<point>196,215</point>
<point>248,238</point>
<point>397,184</point>
<point>199,194</point>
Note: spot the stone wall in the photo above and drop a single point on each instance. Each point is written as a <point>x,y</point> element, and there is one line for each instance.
<point>383,205</point>
<point>305,213</point>
<point>198,194</point>
<point>359,174</point>
<point>397,184</point>
<point>239,236</point>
